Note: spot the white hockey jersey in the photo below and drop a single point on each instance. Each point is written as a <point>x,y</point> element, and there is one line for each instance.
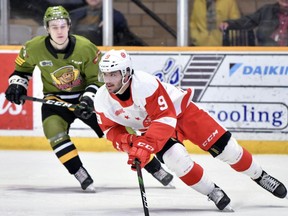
<point>152,108</point>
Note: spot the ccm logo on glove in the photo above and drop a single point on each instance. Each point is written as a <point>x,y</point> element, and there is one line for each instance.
<point>145,146</point>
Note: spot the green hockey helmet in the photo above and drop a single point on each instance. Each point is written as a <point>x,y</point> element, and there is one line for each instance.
<point>54,13</point>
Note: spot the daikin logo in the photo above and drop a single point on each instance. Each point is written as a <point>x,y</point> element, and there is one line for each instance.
<point>234,67</point>
<point>269,70</point>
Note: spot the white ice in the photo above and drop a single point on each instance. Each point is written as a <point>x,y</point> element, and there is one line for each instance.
<point>36,183</point>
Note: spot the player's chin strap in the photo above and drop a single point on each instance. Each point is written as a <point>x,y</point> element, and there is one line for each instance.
<point>124,85</point>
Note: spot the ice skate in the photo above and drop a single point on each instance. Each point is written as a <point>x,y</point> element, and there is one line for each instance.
<point>85,180</point>
<point>164,177</point>
<point>272,185</point>
<point>220,198</point>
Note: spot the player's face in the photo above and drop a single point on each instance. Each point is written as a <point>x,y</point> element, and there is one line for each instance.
<point>113,81</point>
<point>58,30</point>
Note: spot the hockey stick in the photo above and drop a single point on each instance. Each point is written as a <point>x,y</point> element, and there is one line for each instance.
<point>70,106</point>
<point>142,188</point>
<point>51,102</point>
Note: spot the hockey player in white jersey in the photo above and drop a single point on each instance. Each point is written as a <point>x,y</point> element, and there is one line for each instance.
<point>165,114</point>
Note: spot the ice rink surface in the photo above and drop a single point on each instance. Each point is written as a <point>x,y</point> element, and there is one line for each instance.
<point>35,183</point>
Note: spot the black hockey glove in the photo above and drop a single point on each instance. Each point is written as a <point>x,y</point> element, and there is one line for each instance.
<point>85,108</point>
<point>14,92</point>
<point>17,87</point>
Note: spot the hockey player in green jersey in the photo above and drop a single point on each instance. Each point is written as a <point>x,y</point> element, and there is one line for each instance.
<point>69,72</point>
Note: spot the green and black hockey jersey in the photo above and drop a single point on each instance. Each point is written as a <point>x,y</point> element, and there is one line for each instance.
<point>68,71</point>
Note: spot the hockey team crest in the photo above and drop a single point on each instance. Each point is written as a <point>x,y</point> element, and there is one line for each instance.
<point>67,77</point>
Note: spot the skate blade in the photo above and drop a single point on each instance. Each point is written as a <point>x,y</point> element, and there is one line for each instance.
<point>90,189</point>
<point>228,208</point>
<point>171,185</point>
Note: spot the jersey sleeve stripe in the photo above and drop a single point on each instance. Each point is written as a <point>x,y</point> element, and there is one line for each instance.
<point>19,60</point>
<point>168,121</point>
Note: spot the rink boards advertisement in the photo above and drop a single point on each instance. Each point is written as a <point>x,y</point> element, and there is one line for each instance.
<point>244,90</point>
<point>13,116</point>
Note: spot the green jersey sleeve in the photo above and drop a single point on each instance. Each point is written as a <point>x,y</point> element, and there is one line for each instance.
<point>25,61</point>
